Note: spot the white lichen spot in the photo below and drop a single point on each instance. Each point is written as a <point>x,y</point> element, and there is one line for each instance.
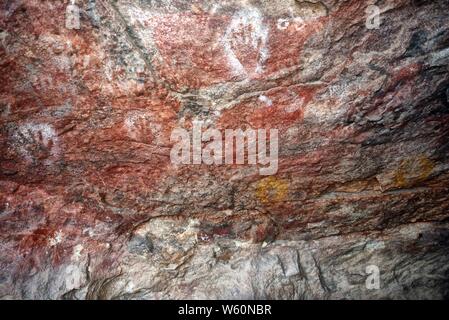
<point>266,100</point>
<point>77,252</point>
<point>56,239</point>
<point>246,29</point>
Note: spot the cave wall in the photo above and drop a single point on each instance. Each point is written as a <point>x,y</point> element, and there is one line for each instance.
<point>91,207</point>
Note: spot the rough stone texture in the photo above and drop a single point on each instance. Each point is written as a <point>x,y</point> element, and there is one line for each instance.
<point>91,206</point>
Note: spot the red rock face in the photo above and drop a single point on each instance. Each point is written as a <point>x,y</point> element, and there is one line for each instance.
<point>91,205</point>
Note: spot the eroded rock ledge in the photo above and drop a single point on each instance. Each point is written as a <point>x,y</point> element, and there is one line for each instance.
<point>91,206</point>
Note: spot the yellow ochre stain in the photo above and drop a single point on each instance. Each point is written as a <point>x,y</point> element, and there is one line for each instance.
<point>271,190</point>
<point>413,170</point>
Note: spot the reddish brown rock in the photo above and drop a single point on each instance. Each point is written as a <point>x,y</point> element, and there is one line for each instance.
<point>91,205</point>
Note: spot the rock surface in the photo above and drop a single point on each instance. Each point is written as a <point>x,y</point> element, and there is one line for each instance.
<point>91,206</point>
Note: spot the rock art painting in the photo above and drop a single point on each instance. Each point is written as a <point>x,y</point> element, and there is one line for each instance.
<point>320,169</point>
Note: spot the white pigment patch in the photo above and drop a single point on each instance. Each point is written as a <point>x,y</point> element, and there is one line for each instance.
<point>257,37</point>
<point>30,135</point>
